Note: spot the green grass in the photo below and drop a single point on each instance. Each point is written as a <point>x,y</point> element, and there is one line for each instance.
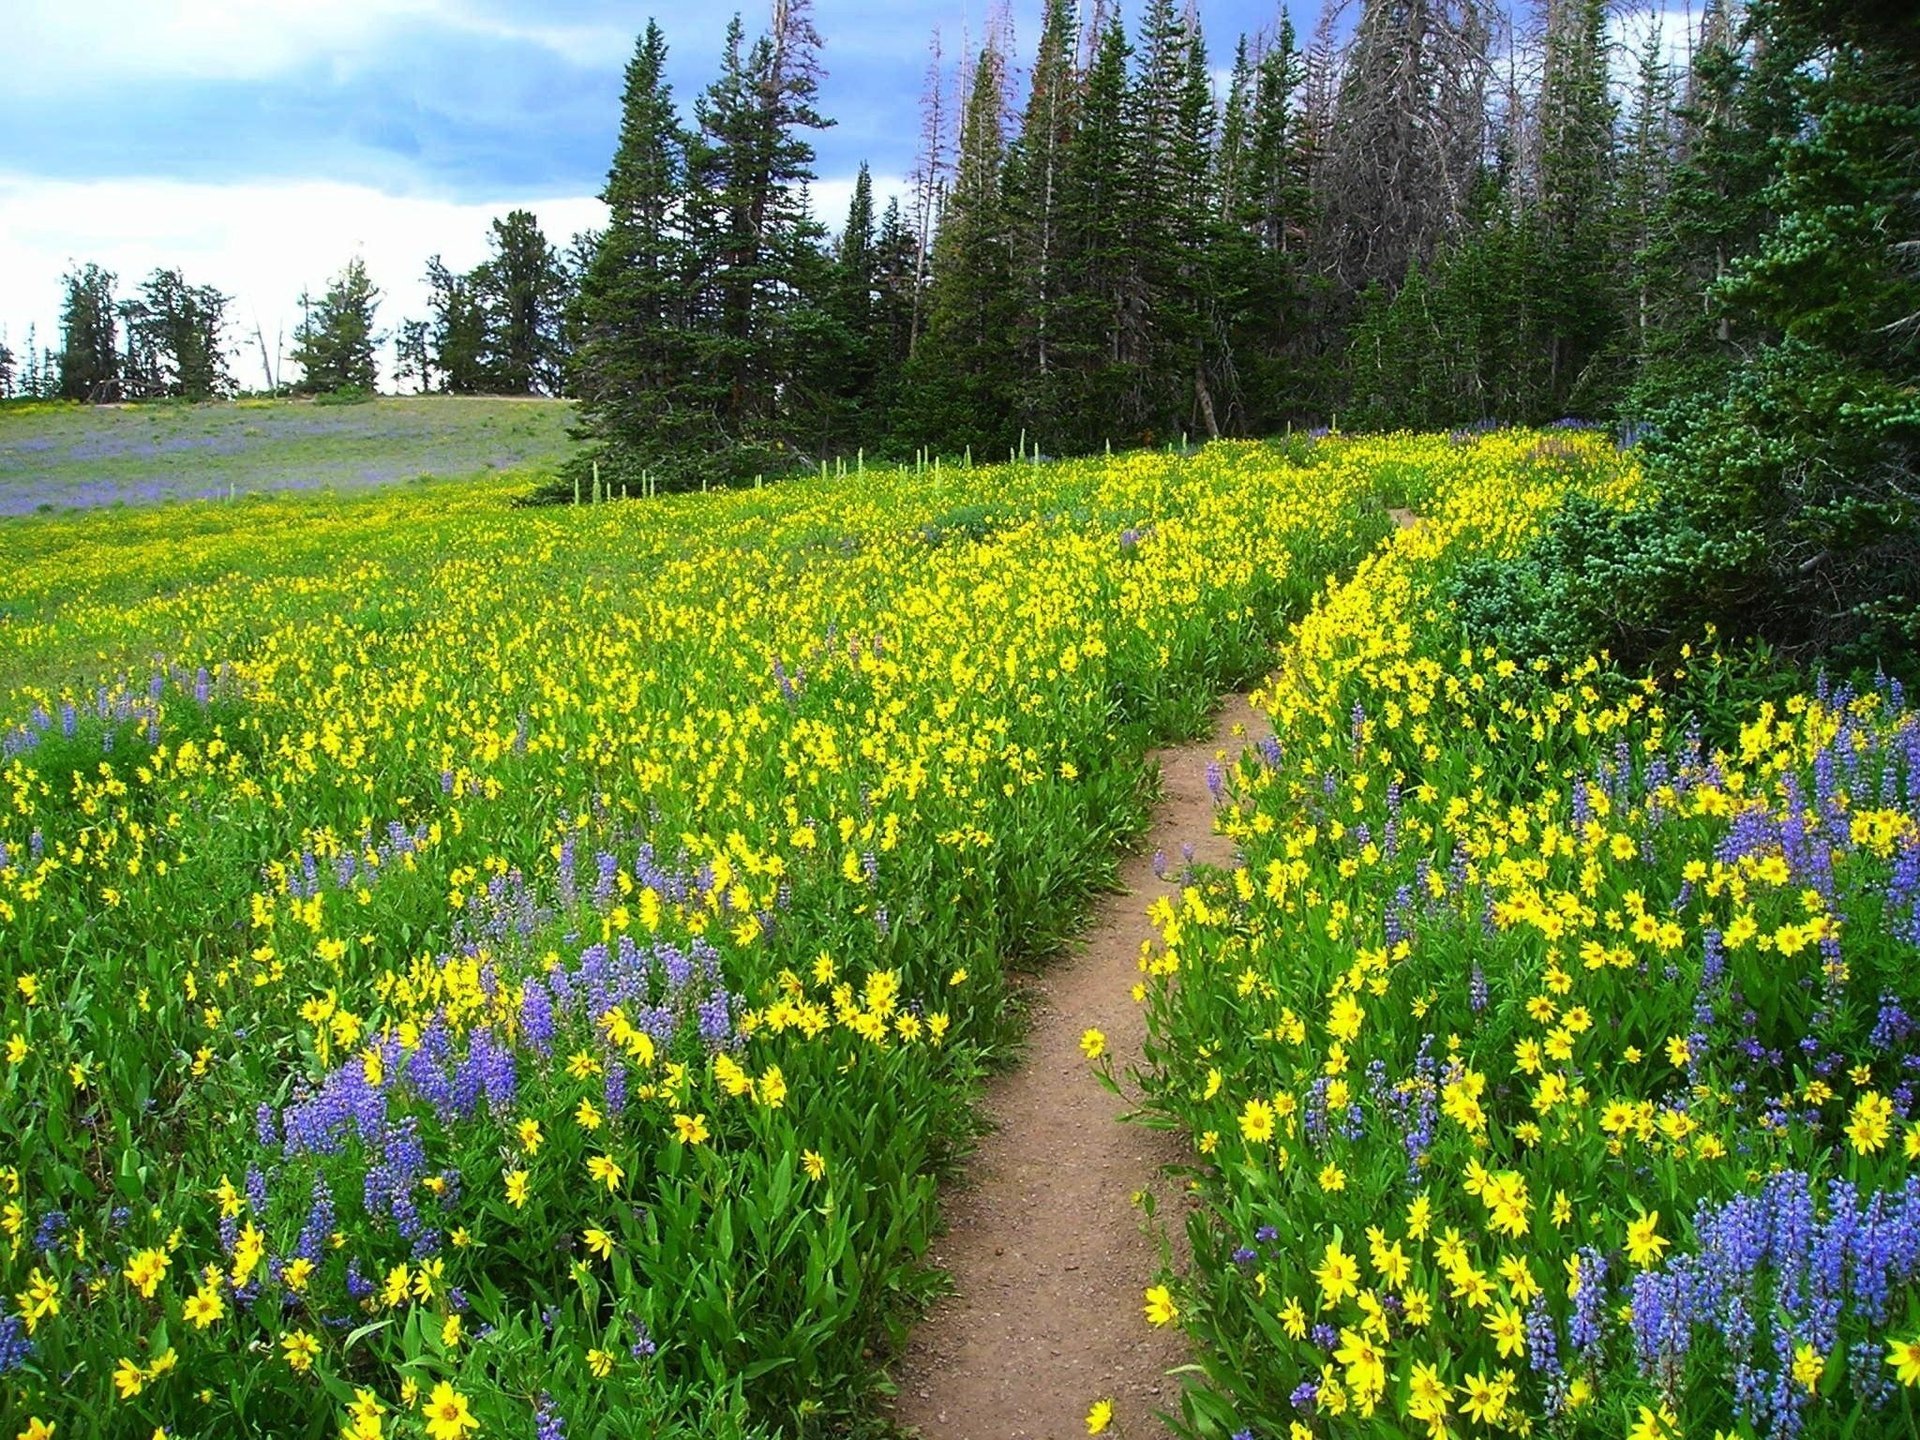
<point>62,457</point>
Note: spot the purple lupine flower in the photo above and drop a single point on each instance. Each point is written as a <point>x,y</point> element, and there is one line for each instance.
<point>15,1347</point>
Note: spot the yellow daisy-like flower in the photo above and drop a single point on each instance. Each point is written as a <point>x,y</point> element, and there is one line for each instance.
<point>1099,1416</point>
<point>814,1163</point>
<point>448,1415</point>
<point>1160,1309</point>
<point>605,1172</point>
<point>1661,1424</point>
<point>300,1349</point>
<point>1093,1044</point>
<point>1808,1366</point>
<point>690,1129</point>
<point>1904,1357</point>
<point>1256,1121</point>
<point>1644,1242</point>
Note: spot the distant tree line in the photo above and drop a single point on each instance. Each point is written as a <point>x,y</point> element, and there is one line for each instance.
<point>501,328</point>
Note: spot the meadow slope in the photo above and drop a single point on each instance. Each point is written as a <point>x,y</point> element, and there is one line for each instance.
<point>541,959</point>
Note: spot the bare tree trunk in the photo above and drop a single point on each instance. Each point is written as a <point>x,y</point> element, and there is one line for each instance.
<point>1204,398</point>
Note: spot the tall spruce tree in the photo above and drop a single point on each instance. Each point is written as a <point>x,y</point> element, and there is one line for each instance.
<point>1035,195</point>
<point>89,363</point>
<point>522,288</point>
<point>181,337</point>
<point>1576,285</point>
<point>457,334</point>
<point>1094,325</point>
<point>757,260</point>
<point>965,370</point>
<point>336,340</point>
<point>639,397</point>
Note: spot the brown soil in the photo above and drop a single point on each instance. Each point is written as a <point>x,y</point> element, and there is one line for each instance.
<point>1050,1256</point>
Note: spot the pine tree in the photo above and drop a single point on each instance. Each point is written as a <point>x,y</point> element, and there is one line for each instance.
<point>1092,327</point>
<point>891,326</point>
<point>1806,469</point>
<point>522,288</point>
<point>757,253</point>
<point>965,369</point>
<point>336,339</point>
<point>1035,193</point>
<point>834,345</point>
<point>1271,339</point>
<point>1574,287</point>
<point>458,333</point>
<point>33,384</point>
<point>89,363</point>
<point>1740,103</point>
<point>413,355</point>
<point>7,373</point>
<point>632,367</point>
<point>181,341</point>
<point>1646,163</point>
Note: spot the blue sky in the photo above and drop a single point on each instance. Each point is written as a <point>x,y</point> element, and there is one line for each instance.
<point>257,144</point>
<point>463,100</point>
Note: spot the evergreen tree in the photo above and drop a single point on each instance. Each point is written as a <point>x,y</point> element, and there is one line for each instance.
<point>33,384</point>
<point>140,377</point>
<point>1739,105</point>
<point>1271,337</point>
<point>521,289</point>
<point>842,362</point>
<point>1095,328</point>
<point>89,363</point>
<point>1645,173</point>
<point>896,302</point>
<point>181,338</point>
<point>1035,192</point>
<point>757,262</point>
<point>457,338</point>
<point>334,344</point>
<point>1574,287</point>
<point>632,367</point>
<point>1806,473</point>
<point>965,369</point>
<point>413,355</point>
<point>7,373</point>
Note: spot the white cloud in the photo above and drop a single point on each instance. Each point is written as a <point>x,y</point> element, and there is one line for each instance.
<point>253,39</point>
<point>196,39</point>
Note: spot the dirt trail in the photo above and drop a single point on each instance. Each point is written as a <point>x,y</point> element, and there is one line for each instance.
<point>1047,1251</point>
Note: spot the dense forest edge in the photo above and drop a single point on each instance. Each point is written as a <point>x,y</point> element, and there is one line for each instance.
<point>1438,215</point>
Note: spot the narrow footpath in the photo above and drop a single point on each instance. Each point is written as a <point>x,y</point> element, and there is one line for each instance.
<point>1049,1253</point>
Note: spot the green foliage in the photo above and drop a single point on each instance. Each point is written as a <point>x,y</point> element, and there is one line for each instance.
<point>1634,584</point>
<point>334,342</point>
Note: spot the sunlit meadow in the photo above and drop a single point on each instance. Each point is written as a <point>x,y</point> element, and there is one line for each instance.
<point>1549,1061</point>
<point>472,970</point>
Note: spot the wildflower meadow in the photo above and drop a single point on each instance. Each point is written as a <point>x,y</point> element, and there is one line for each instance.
<point>473,970</point>
<point>1549,1062</point>
<point>483,971</point>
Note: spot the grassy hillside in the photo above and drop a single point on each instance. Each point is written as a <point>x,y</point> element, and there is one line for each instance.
<point>55,457</point>
<point>474,967</point>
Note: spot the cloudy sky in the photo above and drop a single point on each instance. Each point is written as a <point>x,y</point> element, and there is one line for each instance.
<point>257,144</point>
